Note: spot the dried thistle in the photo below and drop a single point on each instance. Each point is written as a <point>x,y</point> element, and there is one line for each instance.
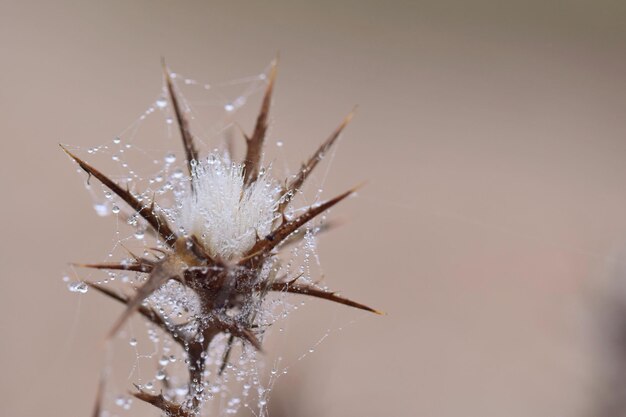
<point>221,242</point>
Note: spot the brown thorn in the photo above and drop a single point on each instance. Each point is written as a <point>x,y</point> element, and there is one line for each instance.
<point>183,124</point>
<point>199,251</point>
<point>144,265</point>
<point>251,338</point>
<point>135,257</point>
<point>159,224</point>
<point>295,279</point>
<point>107,291</point>
<point>158,250</point>
<point>161,273</point>
<point>308,167</point>
<point>252,160</point>
<point>147,312</point>
<point>170,408</point>
<point>276,237</point>
<point>241,333</point>
<point>229,346</point>
<point>152,203</point>
<point>290,287</point>
<point>97,409</point>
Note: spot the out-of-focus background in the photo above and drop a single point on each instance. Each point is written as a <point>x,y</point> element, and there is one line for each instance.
<point>492,230</point>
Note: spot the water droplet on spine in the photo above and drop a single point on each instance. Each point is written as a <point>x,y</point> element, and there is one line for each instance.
<point>78,286</point>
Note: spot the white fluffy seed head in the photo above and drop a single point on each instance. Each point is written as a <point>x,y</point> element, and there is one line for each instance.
<point>225,215</point>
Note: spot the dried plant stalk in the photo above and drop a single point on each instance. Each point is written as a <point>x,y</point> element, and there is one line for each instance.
<point>225,279</point>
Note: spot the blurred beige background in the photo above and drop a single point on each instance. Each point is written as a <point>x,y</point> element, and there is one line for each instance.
<point>493,137</point>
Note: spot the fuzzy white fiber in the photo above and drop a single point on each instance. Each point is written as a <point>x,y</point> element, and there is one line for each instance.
<point>224,214</point>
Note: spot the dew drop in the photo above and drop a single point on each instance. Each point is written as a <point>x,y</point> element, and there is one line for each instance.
<point>101,209</point>
<point>115,209</point>
<point>78,286</point>
<point>229,107</point>
<point>161,103</point>
<point>123,402</point>
<point>160,375</point>
<point>117,140</point>
<point>177,174</point>
<point>132,342</point>
<point>170,158</point>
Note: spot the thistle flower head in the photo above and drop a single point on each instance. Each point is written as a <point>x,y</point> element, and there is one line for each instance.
<point>220,242</point>
<point>223,213</point>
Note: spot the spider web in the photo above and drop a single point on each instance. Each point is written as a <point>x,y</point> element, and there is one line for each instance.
<point>147,159</point>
